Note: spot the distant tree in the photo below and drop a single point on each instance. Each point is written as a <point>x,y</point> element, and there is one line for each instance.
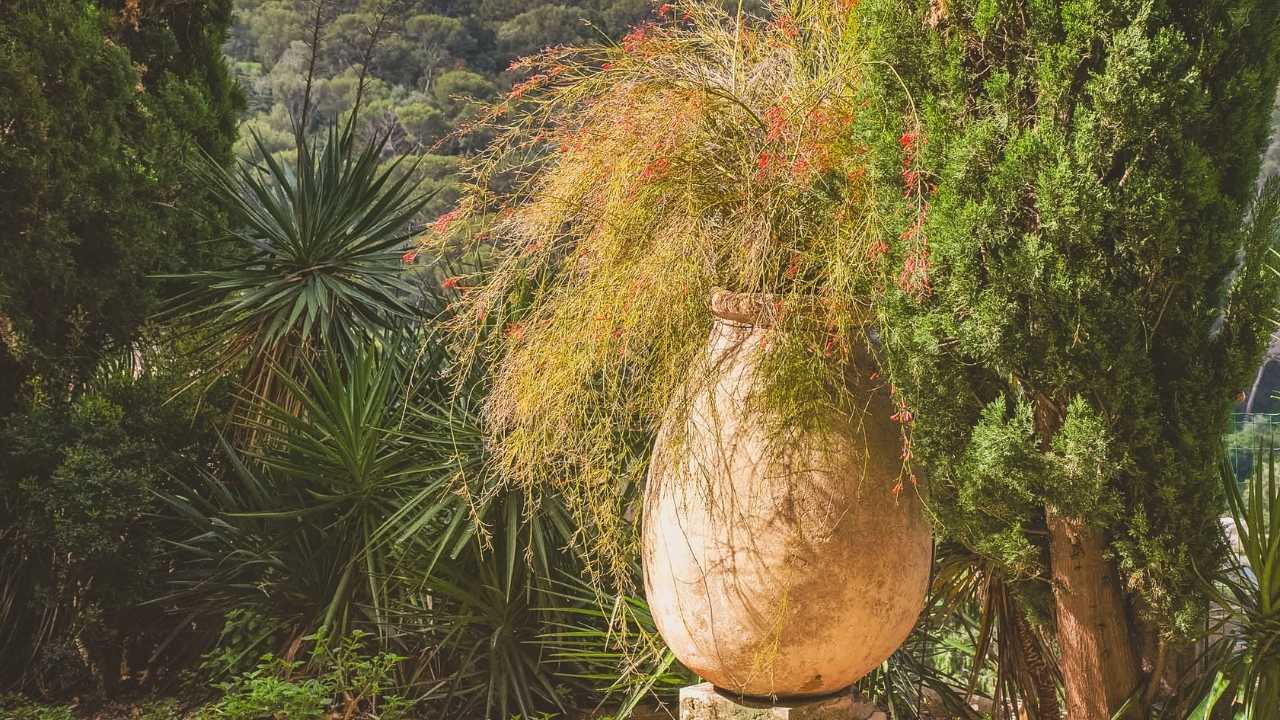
<point>434,61</point>
<point>273,26</point>
<point>101,106</point>
<point>345,38</point>
<point>423,120</point>
<point>541,27</point>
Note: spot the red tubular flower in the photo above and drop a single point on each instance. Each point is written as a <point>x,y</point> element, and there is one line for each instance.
<point>534,81</point>
<point>793,267</point>
<point>762,165</point>
<point>664,9</point>
<point>655,169</point>
<point>633,40</point>
<point>787,25</point>
<point>776,121</point>
<point>914,277</point>
<point>409,256</point>
<point>450,283</point>
<point>443,222</point>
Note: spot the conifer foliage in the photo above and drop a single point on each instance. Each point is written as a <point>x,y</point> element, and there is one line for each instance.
<point>101,106</point>
<point>1082,281</point>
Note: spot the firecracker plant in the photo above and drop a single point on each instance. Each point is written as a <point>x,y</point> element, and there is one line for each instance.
<point>706,150</point>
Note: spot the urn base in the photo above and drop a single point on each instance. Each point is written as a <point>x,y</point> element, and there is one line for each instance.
<point>706,702</point>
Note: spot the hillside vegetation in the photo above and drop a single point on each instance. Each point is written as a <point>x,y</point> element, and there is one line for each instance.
<point>434,62</point>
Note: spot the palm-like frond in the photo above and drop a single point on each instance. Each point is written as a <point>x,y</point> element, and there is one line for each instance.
<point>320,263</point>
<point>311,525</point>
<point>1010,661</point>
<point>373,507</point>
<point>613,647</point>
<point>1243,663</point>
<point>973,647</point>
<point>482,597</point>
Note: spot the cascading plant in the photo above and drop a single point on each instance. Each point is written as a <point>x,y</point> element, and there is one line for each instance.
<point>706,150</point>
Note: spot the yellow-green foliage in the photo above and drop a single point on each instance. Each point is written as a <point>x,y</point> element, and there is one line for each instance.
<point>708,149</point>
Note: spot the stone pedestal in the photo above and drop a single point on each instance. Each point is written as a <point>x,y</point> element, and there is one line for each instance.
<point>705,702</point>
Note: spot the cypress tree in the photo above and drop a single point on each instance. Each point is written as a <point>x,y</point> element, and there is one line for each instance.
<point>1081,288</point>
<point>102,107</point>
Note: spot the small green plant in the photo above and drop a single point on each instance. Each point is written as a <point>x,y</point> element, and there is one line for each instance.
<point>269,691</point>
<point>245,631</point>
<point>339,682</point>
<point>362,681</point>
<point>160,709</point>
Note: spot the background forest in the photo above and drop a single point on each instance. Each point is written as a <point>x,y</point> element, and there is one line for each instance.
<point>436,62</point>
<point>226,493</point>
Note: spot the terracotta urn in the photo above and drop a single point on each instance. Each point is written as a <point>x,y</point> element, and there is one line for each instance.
<point>780,564</point>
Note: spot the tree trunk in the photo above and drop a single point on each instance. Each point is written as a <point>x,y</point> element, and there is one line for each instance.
<point>1099,664</point>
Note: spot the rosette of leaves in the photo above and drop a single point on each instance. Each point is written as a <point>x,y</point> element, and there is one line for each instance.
<point>707,149</point>
<point>320,266</point>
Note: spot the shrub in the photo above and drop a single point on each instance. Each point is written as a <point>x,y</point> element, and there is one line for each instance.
<point>341,682</point>
<point>371,509</point>
<point>101,113</point>
<point>82,549</point>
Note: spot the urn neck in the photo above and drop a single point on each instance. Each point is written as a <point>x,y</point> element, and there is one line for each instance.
<point>755,309</point>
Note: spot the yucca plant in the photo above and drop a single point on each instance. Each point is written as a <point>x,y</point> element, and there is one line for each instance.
<point>911,685</point>
<point>369,505</point>
<point>483,589</point>
<point>486,615</point>
<point>309,526</point>
<point>1243,663</point>
<point>319,261</point>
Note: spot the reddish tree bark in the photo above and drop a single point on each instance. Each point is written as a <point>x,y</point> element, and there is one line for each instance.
<point>1099,663</point>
